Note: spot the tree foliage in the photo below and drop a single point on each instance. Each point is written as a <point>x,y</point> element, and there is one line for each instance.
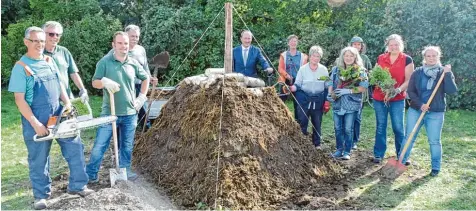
<point>87,34</point>
<point>179,26</point>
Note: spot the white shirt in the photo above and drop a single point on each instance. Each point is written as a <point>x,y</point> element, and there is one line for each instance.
<point>245,52</point>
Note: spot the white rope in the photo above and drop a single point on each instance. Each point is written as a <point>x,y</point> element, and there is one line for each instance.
<point>292,94</point>
<point>219,139</point>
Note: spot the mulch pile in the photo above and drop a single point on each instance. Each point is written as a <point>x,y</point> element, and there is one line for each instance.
<point>264,160</point>
<point>116,198</point>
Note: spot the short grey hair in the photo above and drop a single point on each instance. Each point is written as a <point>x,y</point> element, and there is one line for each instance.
<point>316,49</point>
<point>358,59</point>
<point>246,31</point>
<point>53,24</point>
<point>31,29</point>
<point>397,38</point>
<point>437,49</point>
<point>292,36</point>
<point>132,27</point>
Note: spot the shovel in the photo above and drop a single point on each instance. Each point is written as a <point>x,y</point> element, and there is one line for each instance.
<point>160,60</point>
<point>117,173</point>
<point>395,168</point>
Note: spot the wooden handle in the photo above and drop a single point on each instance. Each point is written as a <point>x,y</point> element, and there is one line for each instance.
<point>114,128</point>
<point>410,137</point>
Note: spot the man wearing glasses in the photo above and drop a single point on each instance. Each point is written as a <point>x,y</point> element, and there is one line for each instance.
<point>63,59</point>
<point>38,91</point>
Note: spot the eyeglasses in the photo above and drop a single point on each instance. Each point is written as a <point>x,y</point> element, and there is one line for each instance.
<point>37,41</point>
<point>54,34</point>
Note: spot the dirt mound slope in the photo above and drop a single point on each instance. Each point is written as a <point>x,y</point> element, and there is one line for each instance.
<point>264,159</point>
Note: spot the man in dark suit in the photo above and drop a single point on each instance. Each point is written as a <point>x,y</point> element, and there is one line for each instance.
<point>246,57</point>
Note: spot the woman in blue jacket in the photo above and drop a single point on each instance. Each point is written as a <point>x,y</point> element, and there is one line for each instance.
<point>345,93</point>
<point>421,85</point>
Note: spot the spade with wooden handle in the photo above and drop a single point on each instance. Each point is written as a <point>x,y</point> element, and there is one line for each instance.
<point>394,168</point>
<point>160,60</point>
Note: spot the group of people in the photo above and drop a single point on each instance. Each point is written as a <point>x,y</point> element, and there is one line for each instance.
<point>312,88</point>
<point>40,80</point>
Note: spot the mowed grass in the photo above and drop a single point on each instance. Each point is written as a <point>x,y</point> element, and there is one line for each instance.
<point>454,188</point>
<point>16,188</point>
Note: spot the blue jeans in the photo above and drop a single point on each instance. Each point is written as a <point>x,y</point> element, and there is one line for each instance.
<point>396,110</point>
<point>357,123</point>
<point>126,127</point>
<point>344,127</point>
<point>72,150</point>
<point>433,122</point>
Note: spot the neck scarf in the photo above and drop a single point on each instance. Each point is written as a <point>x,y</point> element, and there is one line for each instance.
<point>432,72</point>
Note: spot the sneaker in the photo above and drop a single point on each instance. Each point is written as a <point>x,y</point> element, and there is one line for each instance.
<point>85,192</point>
<point>346,156</point>
<point>39,204</point>
<point>354,146</point>
<point>319,147</point>
<point>377,160</point>
<point>408,163</point>
<point>131,176</point>
<point>434,172</point>
<point>337,154</point>
<point>93,181</point>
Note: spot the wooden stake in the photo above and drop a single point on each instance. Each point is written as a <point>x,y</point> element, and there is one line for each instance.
<point>228,38</point>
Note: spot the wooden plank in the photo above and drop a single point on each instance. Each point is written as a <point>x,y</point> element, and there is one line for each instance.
<point>228,38</point>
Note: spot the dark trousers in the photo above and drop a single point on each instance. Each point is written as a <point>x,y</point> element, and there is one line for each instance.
<point>311,110</point>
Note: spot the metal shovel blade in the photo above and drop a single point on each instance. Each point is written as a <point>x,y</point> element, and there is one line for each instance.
<point>393,168</point>
<point>117,174</point>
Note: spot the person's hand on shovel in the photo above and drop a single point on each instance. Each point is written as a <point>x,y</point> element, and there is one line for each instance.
<point>110,85</point>
<point>154,81</point>
<point>425,107</point>
<point>447,68</point>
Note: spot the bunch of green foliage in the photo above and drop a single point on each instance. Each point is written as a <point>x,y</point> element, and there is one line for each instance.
<point>324,78</point>
<point>381,77</point>
<point>351,73</point>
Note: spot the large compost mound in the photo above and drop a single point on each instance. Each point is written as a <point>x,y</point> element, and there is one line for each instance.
<point>264,159</point>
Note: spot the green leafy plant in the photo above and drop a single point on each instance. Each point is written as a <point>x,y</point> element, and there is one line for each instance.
<point>350,77</point>
<point>381,77</point>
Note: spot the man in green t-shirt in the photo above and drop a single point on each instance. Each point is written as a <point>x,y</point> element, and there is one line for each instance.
<point>63,59</point>
<point>116,73</point>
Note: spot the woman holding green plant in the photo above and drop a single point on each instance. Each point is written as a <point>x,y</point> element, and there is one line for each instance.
<point>391,100</point>
<point>421,85</point>
<point>310,91</point>
<point>347,82</point>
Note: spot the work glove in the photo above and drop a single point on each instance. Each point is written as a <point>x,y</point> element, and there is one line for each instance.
<point>341,92</point>
<point>139,101</point>
<point>326,107</point>
<point>110,85</point>
<point>67,108</point>
<point>83,94</point>
<point>329,97</point>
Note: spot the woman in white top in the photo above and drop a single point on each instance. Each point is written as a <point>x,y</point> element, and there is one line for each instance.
<point>310,92</point>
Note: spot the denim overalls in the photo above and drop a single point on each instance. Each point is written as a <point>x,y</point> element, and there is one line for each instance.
<point>46,95</point>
